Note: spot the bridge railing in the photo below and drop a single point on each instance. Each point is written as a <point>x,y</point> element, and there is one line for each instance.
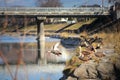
<point>50,10</point>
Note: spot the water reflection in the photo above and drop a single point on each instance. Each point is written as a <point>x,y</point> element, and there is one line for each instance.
<point>26,39</point>
<point>33,72</point>
<point>10,47</point>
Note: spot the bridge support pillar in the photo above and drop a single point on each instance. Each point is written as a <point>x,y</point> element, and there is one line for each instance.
<point>40,41</point>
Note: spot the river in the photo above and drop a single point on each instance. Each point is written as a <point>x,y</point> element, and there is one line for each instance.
<point>26,39</point>
<point>29,71</point>
<point>33,72</point>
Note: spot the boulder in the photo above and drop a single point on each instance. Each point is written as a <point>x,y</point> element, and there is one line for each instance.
<point>106,71</point>
<point>81,71</point>
<point>86,70</point>
<point>71,78</point>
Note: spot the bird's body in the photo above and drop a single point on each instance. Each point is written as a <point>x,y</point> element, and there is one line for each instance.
<point>85,58</point>
<point>56,50</point>
<point>60,53</point>
<point>99,54</point>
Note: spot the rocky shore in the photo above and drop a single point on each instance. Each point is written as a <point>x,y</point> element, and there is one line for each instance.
<point>106,68</point>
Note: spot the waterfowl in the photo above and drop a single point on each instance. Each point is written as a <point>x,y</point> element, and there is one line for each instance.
<point>56,50</point>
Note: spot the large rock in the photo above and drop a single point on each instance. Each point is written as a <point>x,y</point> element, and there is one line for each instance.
<point>117,67</point>
<point>117,62</point>
<point>95,71</point>
<point>88,79</point>
<point>106,71</point>
<point>81,71</point>
<point>86,70</point>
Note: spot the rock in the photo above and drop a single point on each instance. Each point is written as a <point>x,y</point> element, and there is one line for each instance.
<point>86,70</point>
<point>80,70</point>
<point>107,68</point>
<point>117,63</point>
<point>71,78</point>
<point>89,79</point>
<point>92,72</point>
<point>117,68</point>
<point>106,71</point>
<point>63,78</point>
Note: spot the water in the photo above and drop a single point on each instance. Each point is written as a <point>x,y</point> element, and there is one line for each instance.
<point>34,72</point>
<point>26,39</point>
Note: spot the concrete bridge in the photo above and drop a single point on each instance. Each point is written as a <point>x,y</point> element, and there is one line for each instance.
<point>54,12</point>
<point>41,13</point>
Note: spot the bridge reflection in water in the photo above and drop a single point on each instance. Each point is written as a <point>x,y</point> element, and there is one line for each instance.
<point>10,47</point>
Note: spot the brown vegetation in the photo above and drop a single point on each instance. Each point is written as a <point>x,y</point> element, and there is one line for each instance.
<point>18,53</point>
<point>111,36</point>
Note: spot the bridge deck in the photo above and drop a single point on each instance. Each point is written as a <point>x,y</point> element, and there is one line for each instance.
<point>37,11</point>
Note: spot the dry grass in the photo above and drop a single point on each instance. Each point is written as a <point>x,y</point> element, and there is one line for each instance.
<point>54,26</point>
<point>79,24</point>
<point>116,41</point>
<point>111,36</point>
<point>65,35</point>
<point>84,33</point>
<point>112,39</point>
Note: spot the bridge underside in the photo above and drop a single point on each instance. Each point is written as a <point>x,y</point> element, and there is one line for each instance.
<point>54,16</point>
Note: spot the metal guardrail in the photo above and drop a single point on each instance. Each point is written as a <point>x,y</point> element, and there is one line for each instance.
<point>54,11</point>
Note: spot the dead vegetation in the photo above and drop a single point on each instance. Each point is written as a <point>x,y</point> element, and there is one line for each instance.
<point>18,53</point>
<point>111,36</point>
<point>111,39</point>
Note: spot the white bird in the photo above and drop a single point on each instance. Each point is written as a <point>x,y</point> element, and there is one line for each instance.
<point>56,50</point>
<point>62,53</point>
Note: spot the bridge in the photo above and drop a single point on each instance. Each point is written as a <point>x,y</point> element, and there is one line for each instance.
<point>54,12</point>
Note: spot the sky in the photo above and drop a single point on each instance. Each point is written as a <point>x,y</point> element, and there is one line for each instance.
<point>32,3</point>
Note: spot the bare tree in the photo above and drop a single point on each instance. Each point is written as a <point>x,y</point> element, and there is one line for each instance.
<point>49,3</point>
<point>114,1</point>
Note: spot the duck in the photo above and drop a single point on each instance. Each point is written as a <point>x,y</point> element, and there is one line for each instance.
<point>99,54</point>
<point>85,58</point>
<point>56,50</point>
<point>60,53</point>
